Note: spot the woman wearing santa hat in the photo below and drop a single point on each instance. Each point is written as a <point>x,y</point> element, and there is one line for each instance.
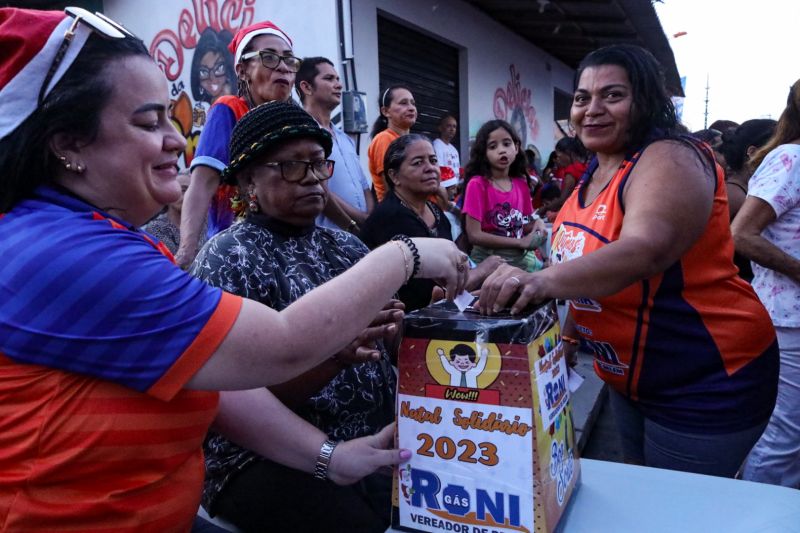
<point>265,68</point>
<point>110,356</point>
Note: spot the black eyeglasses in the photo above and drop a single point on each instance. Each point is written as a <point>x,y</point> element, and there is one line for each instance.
<point>96,22</point>
<point>217,71</point>
<point>271,60</point>
<point>294,171</point>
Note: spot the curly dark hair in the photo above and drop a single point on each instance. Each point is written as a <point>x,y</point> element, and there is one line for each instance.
<point>478,164</point>
<point>574,147</point>
<point>653,114</point>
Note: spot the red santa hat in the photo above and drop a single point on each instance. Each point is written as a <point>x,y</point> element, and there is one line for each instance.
<point>29,42</point>
<point>248,33</point>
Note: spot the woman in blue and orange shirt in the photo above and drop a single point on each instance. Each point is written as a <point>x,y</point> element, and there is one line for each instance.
<point>643,251</point>
<point>110,356</point>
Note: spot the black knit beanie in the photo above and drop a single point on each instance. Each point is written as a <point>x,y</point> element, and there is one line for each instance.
<point>267,125</point>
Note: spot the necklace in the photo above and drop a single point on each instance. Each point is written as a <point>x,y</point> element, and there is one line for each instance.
<point>502,187</point>
<point>432,231</point>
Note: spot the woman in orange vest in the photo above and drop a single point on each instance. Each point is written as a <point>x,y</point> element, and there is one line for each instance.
<point>643,251</point>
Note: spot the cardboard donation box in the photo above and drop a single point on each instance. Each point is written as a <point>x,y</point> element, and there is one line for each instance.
<point>483,404</point>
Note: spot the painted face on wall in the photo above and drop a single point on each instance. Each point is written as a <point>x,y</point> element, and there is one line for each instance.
<point>213,75</point>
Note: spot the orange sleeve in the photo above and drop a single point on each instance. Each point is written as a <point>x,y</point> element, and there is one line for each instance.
<point>200,350</point>
<point>376,151</point>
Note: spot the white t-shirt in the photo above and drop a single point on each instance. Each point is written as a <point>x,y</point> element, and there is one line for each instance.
<point>447,155</point>
<point>777,182</point>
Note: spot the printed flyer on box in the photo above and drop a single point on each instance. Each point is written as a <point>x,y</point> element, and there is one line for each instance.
<point>458,476</point>
<point>483,404</point>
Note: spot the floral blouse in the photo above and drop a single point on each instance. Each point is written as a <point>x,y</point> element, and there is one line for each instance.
<point>265,260</point>
<point>777,182</point>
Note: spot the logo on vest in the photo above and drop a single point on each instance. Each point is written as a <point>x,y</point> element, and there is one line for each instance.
<point>567,245</point>
<point>606,357</point>
<point>600,213</point>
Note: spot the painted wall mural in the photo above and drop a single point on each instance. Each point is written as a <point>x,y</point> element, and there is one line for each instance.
<point>197,63</point>
<point>512,103</point>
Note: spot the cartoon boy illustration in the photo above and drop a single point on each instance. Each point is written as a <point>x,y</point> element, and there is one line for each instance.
<point>461,365</point>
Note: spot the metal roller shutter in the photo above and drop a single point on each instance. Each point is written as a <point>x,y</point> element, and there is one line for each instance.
<point>425,65</point>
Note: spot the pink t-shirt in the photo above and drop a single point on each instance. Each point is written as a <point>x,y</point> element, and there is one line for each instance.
<point>500,213</point>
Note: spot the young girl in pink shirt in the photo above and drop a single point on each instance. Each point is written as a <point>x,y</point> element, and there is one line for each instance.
<point>498,211</point>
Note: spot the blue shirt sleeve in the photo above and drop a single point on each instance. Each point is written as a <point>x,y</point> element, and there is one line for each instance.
<point>80,295</point>
<point>212,148</point>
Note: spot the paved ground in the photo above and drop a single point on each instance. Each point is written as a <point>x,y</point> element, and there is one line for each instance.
<point>594,424</point>
<point>603,442</point>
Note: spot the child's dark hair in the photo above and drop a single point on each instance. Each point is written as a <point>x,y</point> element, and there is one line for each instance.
<point>573,147</point>
<point>551,193</point>
<point>463,350</point>
<point>385,100</point>
<point>478,162</point>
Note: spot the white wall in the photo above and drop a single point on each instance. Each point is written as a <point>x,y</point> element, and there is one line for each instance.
<point>489,49</point>
<point>168,29</point>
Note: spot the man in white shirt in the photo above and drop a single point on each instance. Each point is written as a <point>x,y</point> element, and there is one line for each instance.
<point>446,153</point>
<point>349,197</point>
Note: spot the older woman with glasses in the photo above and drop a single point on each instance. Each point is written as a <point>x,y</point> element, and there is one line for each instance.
<point>110,356</point>
<point>265,68</point>
<point>274,256</point>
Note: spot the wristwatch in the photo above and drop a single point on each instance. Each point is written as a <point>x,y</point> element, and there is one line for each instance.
<point>324,459</point>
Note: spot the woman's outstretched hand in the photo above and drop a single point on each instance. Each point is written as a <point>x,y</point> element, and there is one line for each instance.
<point>357,458</point>
<point>442,261</point>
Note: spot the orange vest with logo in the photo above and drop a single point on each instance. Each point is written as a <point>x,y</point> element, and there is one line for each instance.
<point>692,347</point>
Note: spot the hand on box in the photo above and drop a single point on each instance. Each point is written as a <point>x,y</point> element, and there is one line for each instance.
<point>354,459</point>
<point>510,285</point>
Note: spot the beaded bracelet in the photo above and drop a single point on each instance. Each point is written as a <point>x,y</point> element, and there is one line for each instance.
<point>413,247</point>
